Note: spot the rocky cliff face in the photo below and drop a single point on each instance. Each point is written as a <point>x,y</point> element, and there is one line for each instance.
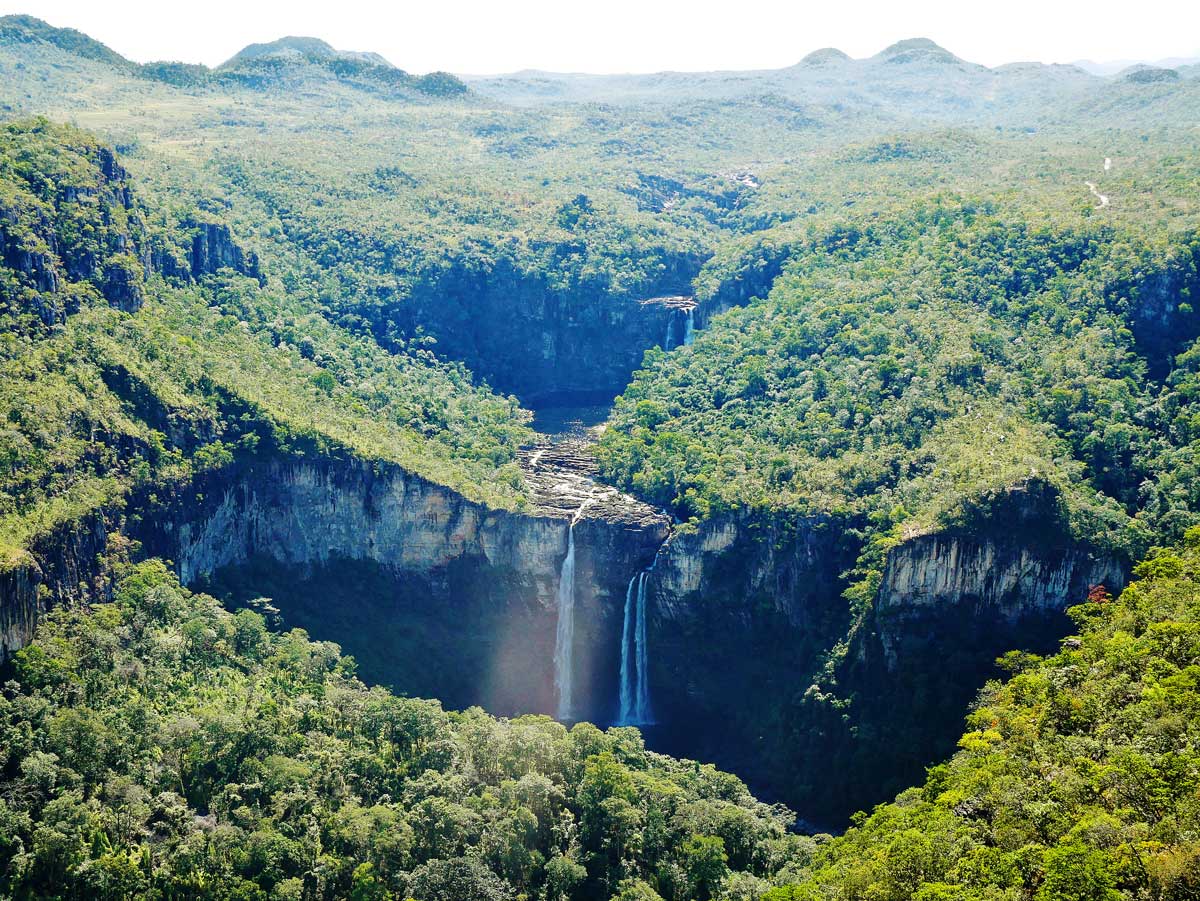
<point>543,343</point>
<point>213,249</point>
<point>477,586</point>
<point>935,578</point>
<point>63,567</point>
<point>753,276</point>
<point>833,711</point>
<point>740,611</point>
<point>792,566</point>
<point>1163,317</point>
<point>755,659</point>
<point>86,228</point>
<point>464,597</point>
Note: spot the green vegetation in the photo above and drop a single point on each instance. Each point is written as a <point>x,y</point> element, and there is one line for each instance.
<point>1076,781</point>
<point>203,369</point>
<point>903,373</point>
<point>161,747</point>
<point>925,307</point>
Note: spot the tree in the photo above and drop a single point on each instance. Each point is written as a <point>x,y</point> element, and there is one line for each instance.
<point>459,879</point>
<point>1077,873</point>
<point>706,864</point>
<point>562,876</point>
<point>636,890</point>
<point>365,884</point>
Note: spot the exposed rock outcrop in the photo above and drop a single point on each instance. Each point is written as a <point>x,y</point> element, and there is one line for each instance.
<point>474,588</point>
<point>482,581</point>
<point>64,566</point>
<point>935,577</point>
<point>529,337</point>
<point>87,232</point>
<point>753,276</point>
<point>1164,319</point>
<point>832,708</point>
<point>123,287</point>
<point>213,248</point>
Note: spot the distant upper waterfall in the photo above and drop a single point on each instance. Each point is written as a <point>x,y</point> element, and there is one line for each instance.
<point>635,676</point>
<point>689,327</point>
<point>670,330</point>
<point>564,638</point>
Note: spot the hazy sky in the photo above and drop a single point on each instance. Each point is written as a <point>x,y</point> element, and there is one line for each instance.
<point>484,36</point>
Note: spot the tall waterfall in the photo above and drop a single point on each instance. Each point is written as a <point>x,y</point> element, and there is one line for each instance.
<point>564,637</point>
<point>670,330</point>
<point>689,327</point>
<point>635,676</point>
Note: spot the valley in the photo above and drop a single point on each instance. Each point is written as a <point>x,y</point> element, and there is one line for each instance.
<point>436,479</point>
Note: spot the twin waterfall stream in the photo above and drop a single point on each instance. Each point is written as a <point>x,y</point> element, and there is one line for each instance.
<point>689,329</point>
<point>634,686</point>
<point>634,689</point>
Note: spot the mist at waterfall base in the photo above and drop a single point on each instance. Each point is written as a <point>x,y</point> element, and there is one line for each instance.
<point>404,636</point>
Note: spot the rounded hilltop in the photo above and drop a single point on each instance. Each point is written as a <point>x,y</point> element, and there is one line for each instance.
<point>299,46</point>
<point>824,57</point>
<point>916,50</point>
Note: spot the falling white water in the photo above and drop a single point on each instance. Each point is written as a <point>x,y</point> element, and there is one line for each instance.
<point>1107,164</point>
<point>689,327</point>
<point>641,706</point>
<point>564,638</point>
<point>635,675</point>
<point>670,330</point>
<point>564,635</point>
<point>627,688</point>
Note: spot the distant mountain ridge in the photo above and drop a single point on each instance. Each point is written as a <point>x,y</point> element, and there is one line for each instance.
<point>28,29</point>
<point>256,66</point>
<point>1119,66</point>
<point>23,28</point>
<point>914,77</point>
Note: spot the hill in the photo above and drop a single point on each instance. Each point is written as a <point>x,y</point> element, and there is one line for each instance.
<point>18,30</point>
<point>299,46</point>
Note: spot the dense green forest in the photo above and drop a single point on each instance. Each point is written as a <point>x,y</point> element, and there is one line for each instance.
<point>838,308</point>
<point>905,371</point>
<point>162,747</point>
<point>1076,779</point>
<point>115,379</point>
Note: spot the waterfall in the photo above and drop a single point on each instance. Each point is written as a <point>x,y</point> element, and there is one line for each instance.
<point>689,327</point>
<point>564,637</point>
<point>670,330</point>
<point>641,709</point>
<point>635,674</point>
<point>627,687</point>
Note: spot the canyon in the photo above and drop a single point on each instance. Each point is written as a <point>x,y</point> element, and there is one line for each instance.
<point>438,596</point>
<point>729,640</point>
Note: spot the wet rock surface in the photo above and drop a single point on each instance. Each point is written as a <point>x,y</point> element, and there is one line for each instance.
<point>561,474</point>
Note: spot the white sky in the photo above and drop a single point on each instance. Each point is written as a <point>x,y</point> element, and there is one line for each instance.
<point>485,36</point>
